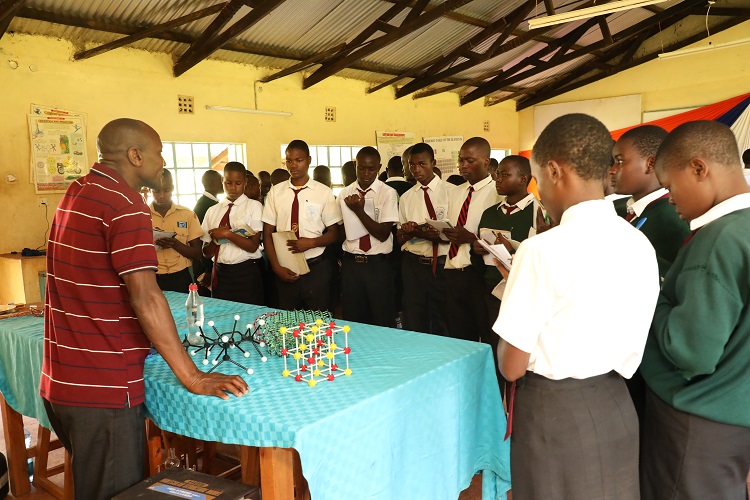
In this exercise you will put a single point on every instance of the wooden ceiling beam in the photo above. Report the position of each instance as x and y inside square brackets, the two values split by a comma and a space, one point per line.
[436, 72]
[173, 36]
[673, 14]
[722, 11]
[304, 64]
[604, 28]
[329, 69]
[8, 10]
[217, 24]
[549, 7]
[457, 85]
[196, 54]
[558, 90]
[150, 32]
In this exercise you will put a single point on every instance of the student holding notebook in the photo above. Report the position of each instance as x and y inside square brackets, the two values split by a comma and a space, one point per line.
[697, 359]
[307, 208]
[558, 338]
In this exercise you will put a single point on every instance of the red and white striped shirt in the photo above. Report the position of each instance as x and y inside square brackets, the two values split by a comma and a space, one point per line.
[94, 347]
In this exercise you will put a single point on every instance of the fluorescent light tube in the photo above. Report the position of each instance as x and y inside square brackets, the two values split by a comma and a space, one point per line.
[597, 10]
[248, 110]
[703, 48]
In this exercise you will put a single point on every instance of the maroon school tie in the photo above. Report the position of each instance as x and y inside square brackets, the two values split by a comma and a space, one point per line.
[364, 242]
[431, 212]
[295, 211]
[509, 209]
[453, 250]
[224, 222]
[630, 216]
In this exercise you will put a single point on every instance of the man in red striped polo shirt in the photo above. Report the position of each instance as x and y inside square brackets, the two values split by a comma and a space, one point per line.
[104, 309]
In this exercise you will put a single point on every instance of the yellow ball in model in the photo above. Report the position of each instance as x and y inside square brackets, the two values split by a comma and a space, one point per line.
[348, 372]
[346, 328]
[316, 373]
[318, 321]
[283, 330]
[303, 347]
[333, 346]
[312, 382]
[310, 337]
[297, 355]
[329, 355]
[285, 373]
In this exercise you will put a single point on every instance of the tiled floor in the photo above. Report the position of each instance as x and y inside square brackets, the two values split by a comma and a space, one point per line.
[473, 492]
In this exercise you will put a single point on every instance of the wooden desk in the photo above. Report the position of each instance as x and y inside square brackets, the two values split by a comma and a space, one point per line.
[19, 278]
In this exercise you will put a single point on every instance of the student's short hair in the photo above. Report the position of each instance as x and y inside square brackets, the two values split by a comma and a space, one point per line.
[251, 179]
[646, 139]
[249, 174]
[746, 157]
[422, 147]
[707, 139]
[299, 144]
[579, 140]
[480, 144]
[207, 175]
[369, 151]
[395, 167]
[166, 176]
[235, 166]
[279, 175]
[494, 163]
[455, 179]
[264, 173]
[522, 164]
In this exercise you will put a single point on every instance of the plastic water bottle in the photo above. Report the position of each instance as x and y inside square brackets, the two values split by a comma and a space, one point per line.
[194, 313]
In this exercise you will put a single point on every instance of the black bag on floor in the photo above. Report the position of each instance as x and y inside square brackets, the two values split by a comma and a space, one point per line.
[4, 487]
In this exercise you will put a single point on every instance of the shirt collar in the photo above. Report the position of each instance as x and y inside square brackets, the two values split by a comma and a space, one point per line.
[171, 210]
[587, 210]
[396, 178]
[311, 184]
[615, 196]
[479, 185]
[738, 202]
[210, 196]
[637, 207]
[432, 185]
[238, 202]
[521, 204]
[374, 187]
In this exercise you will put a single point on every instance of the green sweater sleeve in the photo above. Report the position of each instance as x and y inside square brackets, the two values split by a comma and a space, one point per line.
[693, 322]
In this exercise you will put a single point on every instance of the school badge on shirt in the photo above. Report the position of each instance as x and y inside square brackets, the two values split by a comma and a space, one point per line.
[182, 224]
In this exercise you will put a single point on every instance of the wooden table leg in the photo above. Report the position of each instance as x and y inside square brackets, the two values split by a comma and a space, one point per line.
[18, 467]
[250, 464]
[277, 473]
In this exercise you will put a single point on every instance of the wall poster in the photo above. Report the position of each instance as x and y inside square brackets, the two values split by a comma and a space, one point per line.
[58, 148]
[446, 152]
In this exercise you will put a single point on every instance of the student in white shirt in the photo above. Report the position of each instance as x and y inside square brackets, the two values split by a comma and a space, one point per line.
[370, 209]
[423, 251]
[466, 311]
[314, 218]
[574, 428]
[236, 254]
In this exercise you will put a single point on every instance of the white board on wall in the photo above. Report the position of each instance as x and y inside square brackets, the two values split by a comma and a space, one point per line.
[614, 112]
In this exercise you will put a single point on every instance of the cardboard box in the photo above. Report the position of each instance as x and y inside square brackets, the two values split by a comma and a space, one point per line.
[188, 484]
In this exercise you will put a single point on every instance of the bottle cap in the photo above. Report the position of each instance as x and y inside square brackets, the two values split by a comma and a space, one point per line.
[193, 287]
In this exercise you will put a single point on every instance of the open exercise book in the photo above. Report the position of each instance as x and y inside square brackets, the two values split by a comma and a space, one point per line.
[497, 251]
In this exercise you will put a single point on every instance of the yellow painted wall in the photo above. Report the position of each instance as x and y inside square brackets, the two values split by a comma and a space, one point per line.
[139, 84]
[695, 80]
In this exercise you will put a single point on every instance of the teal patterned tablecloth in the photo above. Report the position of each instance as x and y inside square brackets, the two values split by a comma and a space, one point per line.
[21, 352]
[418, 417]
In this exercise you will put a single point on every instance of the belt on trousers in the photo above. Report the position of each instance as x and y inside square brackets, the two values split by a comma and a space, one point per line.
[427, 261]
[314, 260]
[248, 261]
[364, 259]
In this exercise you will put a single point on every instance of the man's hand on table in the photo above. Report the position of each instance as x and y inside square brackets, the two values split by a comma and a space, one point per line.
[218, 384]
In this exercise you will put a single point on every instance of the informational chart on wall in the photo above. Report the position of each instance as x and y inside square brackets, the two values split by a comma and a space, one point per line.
[446, 152]
[58, 148]
[391, 144]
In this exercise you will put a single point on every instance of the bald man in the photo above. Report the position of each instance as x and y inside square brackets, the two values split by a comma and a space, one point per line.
[104, 310]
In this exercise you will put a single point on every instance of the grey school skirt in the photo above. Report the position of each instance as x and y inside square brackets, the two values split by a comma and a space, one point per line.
[574, 439]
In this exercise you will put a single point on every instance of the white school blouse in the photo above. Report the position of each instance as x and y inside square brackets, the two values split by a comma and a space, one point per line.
[581, 296]
[412, 208]
[245, 212]
[385, 201]
[317, 210]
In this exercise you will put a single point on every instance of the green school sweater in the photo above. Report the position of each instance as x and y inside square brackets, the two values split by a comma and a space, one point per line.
[518, 224]
[697, 357]
[664, 229]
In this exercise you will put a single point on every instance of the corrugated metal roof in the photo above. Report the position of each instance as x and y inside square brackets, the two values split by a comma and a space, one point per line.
[298, 29]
